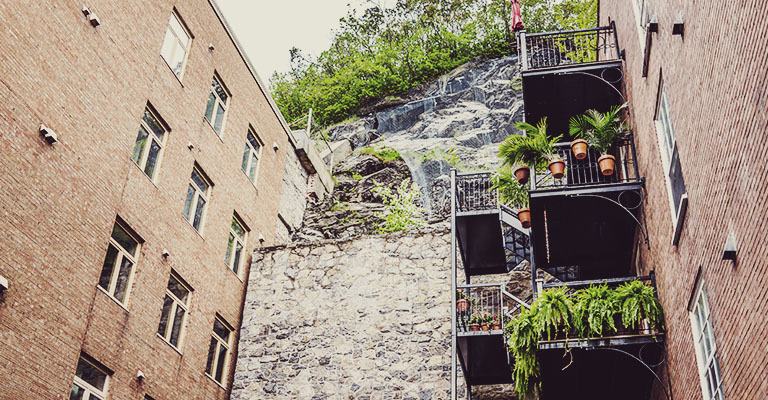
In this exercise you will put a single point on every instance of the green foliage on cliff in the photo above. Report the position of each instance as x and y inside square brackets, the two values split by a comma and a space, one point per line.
[380, 52]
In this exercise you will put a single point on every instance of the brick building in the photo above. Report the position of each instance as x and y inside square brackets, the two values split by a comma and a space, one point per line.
[698, 110]
[142, 162]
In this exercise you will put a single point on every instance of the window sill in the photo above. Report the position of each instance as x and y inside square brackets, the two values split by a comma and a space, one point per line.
[216, 382]
[145, 174]
[237, 274]
[678, 227]
[249, 180]
[192, 227]
[169, 344]
[173, 72]
[218, 135]
[113, 299]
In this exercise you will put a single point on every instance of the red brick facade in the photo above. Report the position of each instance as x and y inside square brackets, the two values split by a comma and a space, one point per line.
[58, 202]
[715, 78]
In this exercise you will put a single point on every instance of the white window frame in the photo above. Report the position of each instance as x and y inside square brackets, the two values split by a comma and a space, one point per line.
[198, 193]
[175, 14]
[151, 137]
[121, 253]
[172, 312]
[218, 102]
[220, 342]
[242, 241]
[247, 156]
[90, 391]
[703, 331]
[641, 18]
[665, 132]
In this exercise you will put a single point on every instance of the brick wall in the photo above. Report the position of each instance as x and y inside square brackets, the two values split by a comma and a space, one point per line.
[58, 203]
[715, 78]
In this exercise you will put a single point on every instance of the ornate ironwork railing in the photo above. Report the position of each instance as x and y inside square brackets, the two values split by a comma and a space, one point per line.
[552, 49]
[473, 194]
[587, 172]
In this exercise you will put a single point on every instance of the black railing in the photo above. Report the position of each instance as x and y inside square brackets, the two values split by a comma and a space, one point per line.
[489, 301]
[587, 172]
[473, 194]
[552, 49]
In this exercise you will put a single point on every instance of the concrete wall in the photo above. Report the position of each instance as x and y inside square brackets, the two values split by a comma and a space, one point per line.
[715, 78]
[293, 200]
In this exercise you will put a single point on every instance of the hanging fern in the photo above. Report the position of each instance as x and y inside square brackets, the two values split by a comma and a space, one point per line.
[555, 312]
[595, 308]
[637, 301]
[523, 343]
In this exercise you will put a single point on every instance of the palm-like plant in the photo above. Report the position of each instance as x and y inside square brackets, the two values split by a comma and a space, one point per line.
[637, 301]
[600, 130]
[554, 312]
[509, 190]
[534, 149]
[595, 309]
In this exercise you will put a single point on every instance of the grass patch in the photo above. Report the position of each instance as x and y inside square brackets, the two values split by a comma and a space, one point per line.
[382, 152]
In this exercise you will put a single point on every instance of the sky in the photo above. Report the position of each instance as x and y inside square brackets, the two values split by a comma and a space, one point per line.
[267, 29]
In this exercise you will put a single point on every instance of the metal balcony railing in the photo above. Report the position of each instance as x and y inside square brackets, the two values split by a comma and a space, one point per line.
[485, 300]
[472, 192]
[553, 49]
[586, 172]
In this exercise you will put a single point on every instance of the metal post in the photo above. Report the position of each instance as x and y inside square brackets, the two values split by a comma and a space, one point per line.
[616, 40]
[523, 46]
[634, 155]
[453, 284]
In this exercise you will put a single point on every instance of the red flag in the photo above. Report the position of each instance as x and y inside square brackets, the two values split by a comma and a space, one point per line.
[517, 16]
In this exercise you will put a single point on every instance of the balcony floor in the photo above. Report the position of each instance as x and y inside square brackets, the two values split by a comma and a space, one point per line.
[481, 242]
[483, 357]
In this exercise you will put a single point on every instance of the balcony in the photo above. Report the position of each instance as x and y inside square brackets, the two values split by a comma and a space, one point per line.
[481, 348]
[568, 72]
[623, 364]
[490, 238]
[586, 220]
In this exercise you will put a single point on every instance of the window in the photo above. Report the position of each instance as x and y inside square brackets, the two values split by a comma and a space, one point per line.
[117, 271]
[251, 156]
[706, 351]
[176, 45]
[671, 161]
[175, 309]
[148, 149]
[235, 245]
[90, 382]
[198, 194]
[218, 100]
[218, 352]
[641, 17]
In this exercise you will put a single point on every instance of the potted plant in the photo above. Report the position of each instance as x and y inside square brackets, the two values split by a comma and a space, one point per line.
[601, 131]
[496, 325]
[554, 312]
[512, 193]
[579, 148]
[535, 149]
[638, 305]
[485, 323]
[595, 308]
[474, 323]
[462, 304]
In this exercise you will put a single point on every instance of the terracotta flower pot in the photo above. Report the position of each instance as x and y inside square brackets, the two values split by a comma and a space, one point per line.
[579, 148]
[485, 327]
[524, 215]
[522, 173]
[557, 168]
[474, 327]
[462, 305]
[606, 163]
[496, 326]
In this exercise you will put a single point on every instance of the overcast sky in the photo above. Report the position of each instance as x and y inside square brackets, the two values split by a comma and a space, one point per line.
[268, 29]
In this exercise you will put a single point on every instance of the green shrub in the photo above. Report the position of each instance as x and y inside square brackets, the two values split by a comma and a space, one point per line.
[382, 152]
[401, 211]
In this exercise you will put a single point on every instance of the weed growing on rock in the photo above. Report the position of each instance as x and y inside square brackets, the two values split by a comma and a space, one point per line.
[382, 152]
[401, 212]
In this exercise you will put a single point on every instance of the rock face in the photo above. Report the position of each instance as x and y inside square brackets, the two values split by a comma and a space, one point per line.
[454, 122]
[368, 318]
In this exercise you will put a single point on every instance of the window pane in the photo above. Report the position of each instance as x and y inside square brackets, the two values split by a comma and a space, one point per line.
[211, 353]
[125, 240]
[254, 143]
[219, 90]
[153, 124]
[221, 362]
[109, 265]
[178, 289]
[169, 47]
[235, 226]
[122, 279]
[154, 152]
[164, 316]
[220, 330]
[90, 374]
[219, 118]
[707, 345]
[199, 181]
[176, 331]
[199, 213]
[254, 164]
[209, 107]
[246, 156]
[188, 202]
[228, 256]
[77, 393]
[175, 25]
[138, 149]
[238, 254]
